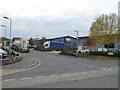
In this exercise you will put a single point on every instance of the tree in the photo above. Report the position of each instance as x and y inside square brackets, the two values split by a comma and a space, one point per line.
[104, 29]
[89, 42]
[119, 28]
[31, 41]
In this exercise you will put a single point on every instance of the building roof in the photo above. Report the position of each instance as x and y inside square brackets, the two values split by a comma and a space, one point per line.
[83, 37]
[62, 37]
[68, 37]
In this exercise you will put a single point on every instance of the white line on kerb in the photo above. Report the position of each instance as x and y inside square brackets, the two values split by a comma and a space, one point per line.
[33, 66]
[26, 78]
[89, 66]
[9, 80]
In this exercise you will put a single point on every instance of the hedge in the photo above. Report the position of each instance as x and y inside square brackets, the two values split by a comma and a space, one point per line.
[68, 52]
[115, 54]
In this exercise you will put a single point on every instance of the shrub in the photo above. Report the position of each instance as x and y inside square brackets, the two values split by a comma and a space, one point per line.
[116, 54]
[98, 53]
[68, 52]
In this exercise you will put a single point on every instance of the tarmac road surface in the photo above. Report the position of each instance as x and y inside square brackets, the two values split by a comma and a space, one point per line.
[56, 70]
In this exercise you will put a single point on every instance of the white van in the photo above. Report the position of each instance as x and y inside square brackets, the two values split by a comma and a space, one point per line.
[83, 49]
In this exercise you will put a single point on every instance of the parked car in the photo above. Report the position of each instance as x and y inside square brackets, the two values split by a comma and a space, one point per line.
[3, 54]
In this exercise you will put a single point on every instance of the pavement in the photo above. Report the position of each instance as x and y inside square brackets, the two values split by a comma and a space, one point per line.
[19, 66]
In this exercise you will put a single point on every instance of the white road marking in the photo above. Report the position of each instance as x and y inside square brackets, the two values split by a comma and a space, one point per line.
[53, 75]
[39, 76]
[76, 73]
[83, 72]
[26, 78]
[65, 74]
[104, 68]
[32, 67]
[9, 80]
[113, 67]
[109, 69]
[93, 71]
[73, 80]
[89, 66]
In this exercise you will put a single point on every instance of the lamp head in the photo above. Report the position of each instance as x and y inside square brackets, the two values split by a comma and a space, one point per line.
[5, 17]
[3, 25]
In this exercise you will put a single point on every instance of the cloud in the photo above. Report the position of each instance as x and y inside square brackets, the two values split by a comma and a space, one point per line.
[51, 18]
[50, 26]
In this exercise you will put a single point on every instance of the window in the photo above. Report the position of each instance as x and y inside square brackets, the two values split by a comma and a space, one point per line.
[46, 44]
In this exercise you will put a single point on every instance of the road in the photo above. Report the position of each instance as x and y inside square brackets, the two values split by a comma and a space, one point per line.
[56, 70]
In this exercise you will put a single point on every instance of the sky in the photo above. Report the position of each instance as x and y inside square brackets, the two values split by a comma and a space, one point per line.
[52, 18]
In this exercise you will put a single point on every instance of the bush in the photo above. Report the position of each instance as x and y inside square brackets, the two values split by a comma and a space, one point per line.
[68, 52]
[98, 53]
[72, 49]
[116, 54]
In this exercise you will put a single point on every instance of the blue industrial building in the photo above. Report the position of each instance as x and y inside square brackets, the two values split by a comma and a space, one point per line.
[115, 47]
[72, 42]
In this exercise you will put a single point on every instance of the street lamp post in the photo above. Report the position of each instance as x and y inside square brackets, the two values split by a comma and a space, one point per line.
[77, 33]
[77, 42]
[10, 31]
[5, 32]
[5, 29]
[77, 37]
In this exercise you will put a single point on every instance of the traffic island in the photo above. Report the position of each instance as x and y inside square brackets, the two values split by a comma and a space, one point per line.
[6, 70]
